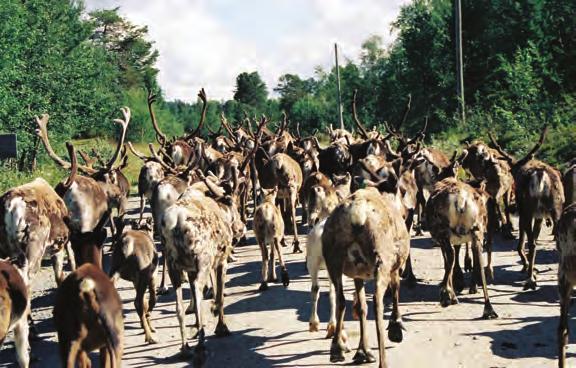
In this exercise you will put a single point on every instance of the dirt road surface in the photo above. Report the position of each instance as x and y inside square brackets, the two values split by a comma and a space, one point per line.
[270, 329]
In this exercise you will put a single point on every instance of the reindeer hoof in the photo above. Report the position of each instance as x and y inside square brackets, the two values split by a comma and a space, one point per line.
[163, 290]
[285, 278]
[530, 284]
[489, 313]
[336, 353]
[222, 330]
[231, 259]
[395, 331]
[473, 288]
[150, 340]
[296, 249]
[199, 356]
[363, 356]
[185, 352]
[313, 326]
[447, 299]
[263, 286]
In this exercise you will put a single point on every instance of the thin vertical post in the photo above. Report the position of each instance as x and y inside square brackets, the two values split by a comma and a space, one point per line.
[459, 63]
[341, 119]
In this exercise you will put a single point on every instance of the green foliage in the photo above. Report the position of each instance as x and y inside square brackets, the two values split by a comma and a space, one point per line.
[250, 90]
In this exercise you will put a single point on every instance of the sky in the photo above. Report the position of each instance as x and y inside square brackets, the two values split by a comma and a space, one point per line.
[207, 43]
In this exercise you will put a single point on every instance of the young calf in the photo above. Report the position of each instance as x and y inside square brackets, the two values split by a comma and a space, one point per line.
[88, 316]
[269, 230]
[14, 309]
[134, 258]
[566, 239]
[457, 214]
[88, 309]
[365, 238]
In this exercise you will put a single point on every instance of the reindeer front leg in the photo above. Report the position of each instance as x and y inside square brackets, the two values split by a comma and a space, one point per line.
[293, 200]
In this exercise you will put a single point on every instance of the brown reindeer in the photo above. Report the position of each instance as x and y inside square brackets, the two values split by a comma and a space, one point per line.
[566, 241]
[539, 196]
[269, 230]
[15, 307]
[457, 214]
[198, 240]
[365, 238]
[288, 177]
[134, 258]
[486, 163]
[34, 222]
[88, 316]
[90, 196]
[569, 184]
[88, 309]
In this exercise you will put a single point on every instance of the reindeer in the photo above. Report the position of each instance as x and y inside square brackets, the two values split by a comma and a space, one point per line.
[34, 222]
[486, 163]
[366, 238]
[88, 316]
[179, 151]
[539, 196]
[89, 196]
[569, 184]
[150, 175]
[134, 258]
[269, 230]
[197, 240]
[288, 177]
[457, 214]
[566, 243]
[88, 309]
[15, 306]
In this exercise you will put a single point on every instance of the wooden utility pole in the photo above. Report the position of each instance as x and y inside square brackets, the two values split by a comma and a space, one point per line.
[341, 119]
[459, 63]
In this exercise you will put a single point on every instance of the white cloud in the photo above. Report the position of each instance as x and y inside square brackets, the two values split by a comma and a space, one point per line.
[205, 43]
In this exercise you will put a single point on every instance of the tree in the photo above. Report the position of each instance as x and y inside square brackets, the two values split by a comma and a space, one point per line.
[250, 90]
[128, 47]
[47, 65]
[291, 89]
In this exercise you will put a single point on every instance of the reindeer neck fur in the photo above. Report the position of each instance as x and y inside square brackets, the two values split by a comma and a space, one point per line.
[86, 200]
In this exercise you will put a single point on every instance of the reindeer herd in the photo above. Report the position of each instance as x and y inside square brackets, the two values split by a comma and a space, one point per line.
[359, 195]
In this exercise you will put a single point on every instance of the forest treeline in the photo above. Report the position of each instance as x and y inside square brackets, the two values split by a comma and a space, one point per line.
[519, 74]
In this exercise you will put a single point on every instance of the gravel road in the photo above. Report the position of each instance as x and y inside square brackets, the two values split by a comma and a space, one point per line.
[270, 329]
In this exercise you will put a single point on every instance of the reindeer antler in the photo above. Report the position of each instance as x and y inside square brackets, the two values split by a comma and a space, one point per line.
[42, 133]
[356, 120]
[159, 160]
[537, 147]
[160, 137]
[87, 159]
[508, 158]
[202, 95]
[138, 154]
[124, 124]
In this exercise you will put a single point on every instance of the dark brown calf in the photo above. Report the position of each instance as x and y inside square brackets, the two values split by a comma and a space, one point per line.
[134, 258]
